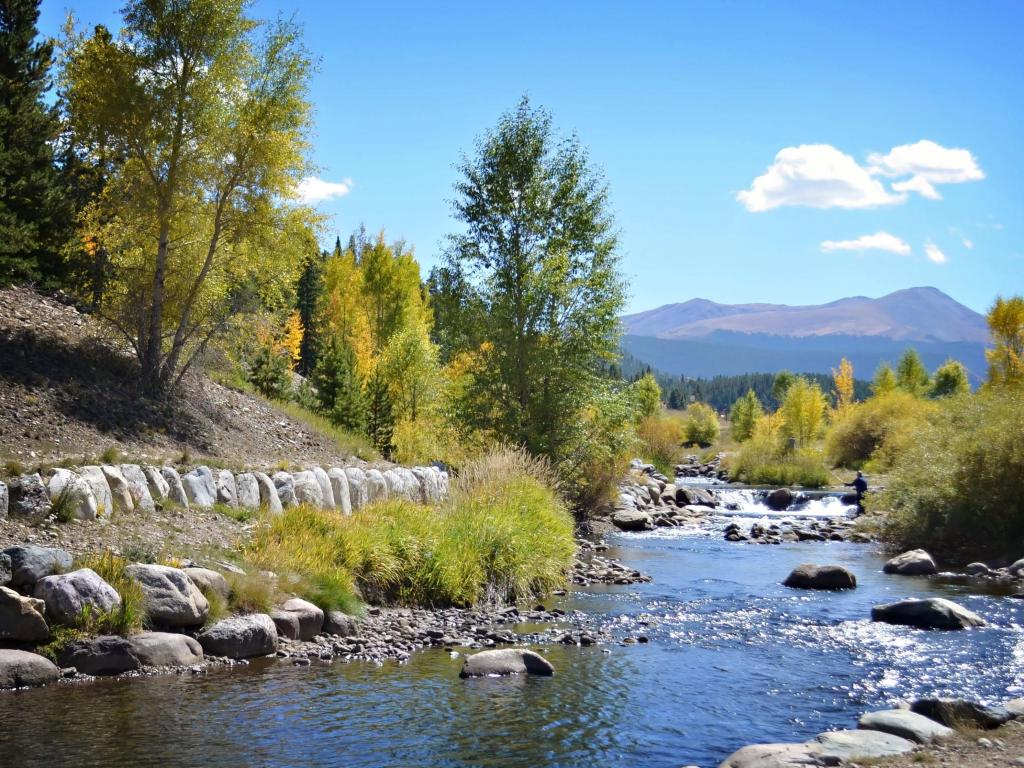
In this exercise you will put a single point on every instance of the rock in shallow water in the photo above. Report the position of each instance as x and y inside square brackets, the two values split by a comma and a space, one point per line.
[774, 756]
[930, 613]
[240, 637]
[632, 520]
[905, 724]
[166, 649]
[958, 713]
[104, 655]
[506, 661]
[851, 746]
[21, 669]
[810, 576]
[916, 562]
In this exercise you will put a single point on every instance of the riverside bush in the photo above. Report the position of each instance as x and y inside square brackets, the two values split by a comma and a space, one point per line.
[876, 430]
[958, 486]
[765, 461]
[503, 534]
[126, 618]
[701, 425]
[661, 440]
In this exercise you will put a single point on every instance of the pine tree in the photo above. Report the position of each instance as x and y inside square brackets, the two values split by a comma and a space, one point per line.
[380, 422]
[30, 198]
[911, 375]
[338, 388]
[307, 301]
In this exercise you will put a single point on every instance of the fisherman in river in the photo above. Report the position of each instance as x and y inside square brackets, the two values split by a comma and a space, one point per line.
[860, 486]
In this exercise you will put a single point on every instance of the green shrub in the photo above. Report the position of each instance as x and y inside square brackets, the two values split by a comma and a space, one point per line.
[241, 514]
[860, 432]
[958, 486]
[764, 461]
[701, 425]
[251, 592]
[661, 440]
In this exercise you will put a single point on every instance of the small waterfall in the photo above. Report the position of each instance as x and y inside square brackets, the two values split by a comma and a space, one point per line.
[750, 502]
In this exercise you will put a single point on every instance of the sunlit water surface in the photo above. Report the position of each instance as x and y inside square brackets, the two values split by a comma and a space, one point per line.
[732, 658]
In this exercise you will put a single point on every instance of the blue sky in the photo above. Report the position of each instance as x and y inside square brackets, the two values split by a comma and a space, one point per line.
[755, 151]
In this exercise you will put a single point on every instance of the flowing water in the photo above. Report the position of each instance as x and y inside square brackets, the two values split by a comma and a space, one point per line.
[732, 658]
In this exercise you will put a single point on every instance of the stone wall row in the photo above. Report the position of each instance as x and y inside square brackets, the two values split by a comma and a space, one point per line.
[89, 492]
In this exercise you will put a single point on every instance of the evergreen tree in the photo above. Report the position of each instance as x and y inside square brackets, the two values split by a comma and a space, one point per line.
[884, 381]
[745, 414]
[338, 388]
[307, 300]
[950, 379]
[31, 202]
[380, 421]
[911, 375]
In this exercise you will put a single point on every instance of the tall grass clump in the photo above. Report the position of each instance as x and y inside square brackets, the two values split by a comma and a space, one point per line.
[129, 616]
[502, 535]
[958, 487]
[876, 430]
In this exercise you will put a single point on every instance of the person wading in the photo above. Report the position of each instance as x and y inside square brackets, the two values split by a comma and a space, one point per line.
[860, 486]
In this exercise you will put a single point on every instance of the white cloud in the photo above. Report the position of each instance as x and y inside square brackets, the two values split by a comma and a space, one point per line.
[817, 176]
[931, 250]
[917, 184]
[880, 241]
[314, 190]
[968, 243]
[927, 164]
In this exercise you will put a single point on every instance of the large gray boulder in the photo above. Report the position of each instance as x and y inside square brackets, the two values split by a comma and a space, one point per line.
[690, 495]
[97, 481]
[376, 486]
[240, 637]
[307, 489]
[209, 582]
[103, 655]
[28, 496]
[506, 661]
[159, 488]
[268, 493]
[326, 488]
[851, 746]
[227, 493]
[298, 619]
[5, 497]
[22, 618]
[119, 491]
[779, 499]
[138, 487]
[200, 487]
[356, 486]
[21, 669]
[339, 487]
[73, 494]
[811, 576]
[959, 713]
[285, 485]
[67, 595]
[916, 562]
[929, 613]
[402, 483]
[30, 563]
[166, 649]
[170, 598]
[339, 623]
[632, 520]
[175, 488]
[905, 724]
[774, 756]
[248, 490]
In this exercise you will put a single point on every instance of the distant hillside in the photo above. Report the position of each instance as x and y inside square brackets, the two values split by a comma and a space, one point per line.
[702, 338]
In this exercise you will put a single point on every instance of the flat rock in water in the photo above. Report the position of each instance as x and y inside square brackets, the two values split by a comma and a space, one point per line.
[632, 520]
[916, 562]
[850, 746]
[240, 637]
[906, 724]
[774, 756]
[506, 661]
[959, 713]
[811, 576]
[21, 669]
[166, 649]
[929, 613]
[104, 655]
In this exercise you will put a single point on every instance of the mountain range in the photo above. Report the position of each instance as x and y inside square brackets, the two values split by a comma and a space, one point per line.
[703, 338]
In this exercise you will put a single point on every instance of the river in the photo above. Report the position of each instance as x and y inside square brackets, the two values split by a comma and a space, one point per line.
[732, 658]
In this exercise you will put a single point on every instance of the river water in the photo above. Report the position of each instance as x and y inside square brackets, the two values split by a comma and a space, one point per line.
[732, 658]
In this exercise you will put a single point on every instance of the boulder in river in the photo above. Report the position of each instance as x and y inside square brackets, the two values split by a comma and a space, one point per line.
[977, 569]
[959, 713]
[810, 576]
[929, 613]
[166, 649]
[906, 724]
[686, 494]
[73, 493]
[852, 746]
[240, 637]
[779, 499]
[506, 661]
[21, 669]
[103, 655]
[170, 597]
[68, 594]
[632, 520]
[774, 756]
[30, 563]
[916, 562]
[22, 618]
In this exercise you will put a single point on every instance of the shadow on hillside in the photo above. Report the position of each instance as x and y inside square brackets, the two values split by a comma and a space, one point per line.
[93, 384]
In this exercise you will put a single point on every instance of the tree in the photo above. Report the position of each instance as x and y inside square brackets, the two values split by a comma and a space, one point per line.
[1006, 358]
[803, 411]
[291, 339]
[745, 414]
[911, 375]
[701, 425]
[884, 381]
[781, 384]
[380, 417]
[31, 202]
[308, 292]
[539, 250]
[842, 384]
[338, 388]
[409, 365]
[646, 395]
[209, 110]
[950, 379]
